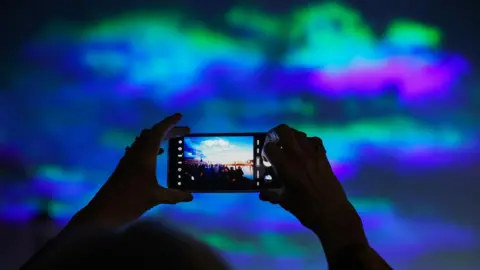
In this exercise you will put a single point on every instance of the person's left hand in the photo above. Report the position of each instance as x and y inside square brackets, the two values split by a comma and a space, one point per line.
[133, 188]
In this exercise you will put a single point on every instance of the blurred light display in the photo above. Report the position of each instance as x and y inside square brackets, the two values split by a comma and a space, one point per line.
[388, 98]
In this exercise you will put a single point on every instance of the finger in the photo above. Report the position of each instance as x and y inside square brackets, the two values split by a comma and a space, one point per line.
[172, 196]
[176, 196]
[305, 144]
[177, 132]
[139, 143]
[159, 130]
[162, 127]
[286, 138]
[173, 133]
[281, 164]
[275, 156]
[318, 145]
[270, 196]
[299, 133]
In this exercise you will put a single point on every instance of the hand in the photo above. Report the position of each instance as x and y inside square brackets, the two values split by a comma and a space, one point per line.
[133, 188]
[311, 191]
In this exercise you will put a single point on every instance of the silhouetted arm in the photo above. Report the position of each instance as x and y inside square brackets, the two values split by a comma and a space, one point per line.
[130, 191]
[346, 245]
[361, 257]
[82, 224]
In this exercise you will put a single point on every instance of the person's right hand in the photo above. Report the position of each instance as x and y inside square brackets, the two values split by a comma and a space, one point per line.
[312, 193]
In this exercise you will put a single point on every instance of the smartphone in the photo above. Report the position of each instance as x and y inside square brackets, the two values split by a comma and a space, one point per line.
[219, 162]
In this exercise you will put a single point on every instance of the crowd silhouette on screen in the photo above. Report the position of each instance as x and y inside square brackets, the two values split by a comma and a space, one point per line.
[217, 175]
[109, 234]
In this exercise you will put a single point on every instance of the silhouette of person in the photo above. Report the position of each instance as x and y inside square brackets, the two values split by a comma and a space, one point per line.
[101, 234]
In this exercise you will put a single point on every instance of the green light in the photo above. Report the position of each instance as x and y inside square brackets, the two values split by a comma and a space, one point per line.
[409, 34]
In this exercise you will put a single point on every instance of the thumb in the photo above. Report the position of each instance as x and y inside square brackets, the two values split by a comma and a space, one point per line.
[271, 196]
[274, 154]
[172, 196]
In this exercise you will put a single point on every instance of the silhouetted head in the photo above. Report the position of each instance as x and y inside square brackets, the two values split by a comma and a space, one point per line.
[143, 245]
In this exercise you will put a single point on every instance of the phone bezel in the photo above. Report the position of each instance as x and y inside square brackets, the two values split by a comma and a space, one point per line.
[171, 180]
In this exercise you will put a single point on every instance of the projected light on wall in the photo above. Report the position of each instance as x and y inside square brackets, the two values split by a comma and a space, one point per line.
[321, 69]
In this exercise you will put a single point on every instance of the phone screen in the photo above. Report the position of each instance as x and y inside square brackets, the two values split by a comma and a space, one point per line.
[227, 162]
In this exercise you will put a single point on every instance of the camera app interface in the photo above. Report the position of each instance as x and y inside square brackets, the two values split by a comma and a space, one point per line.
[221, 163]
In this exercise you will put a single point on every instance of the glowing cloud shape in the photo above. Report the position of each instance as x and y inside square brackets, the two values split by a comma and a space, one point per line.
[163, 52]
[223, 150]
